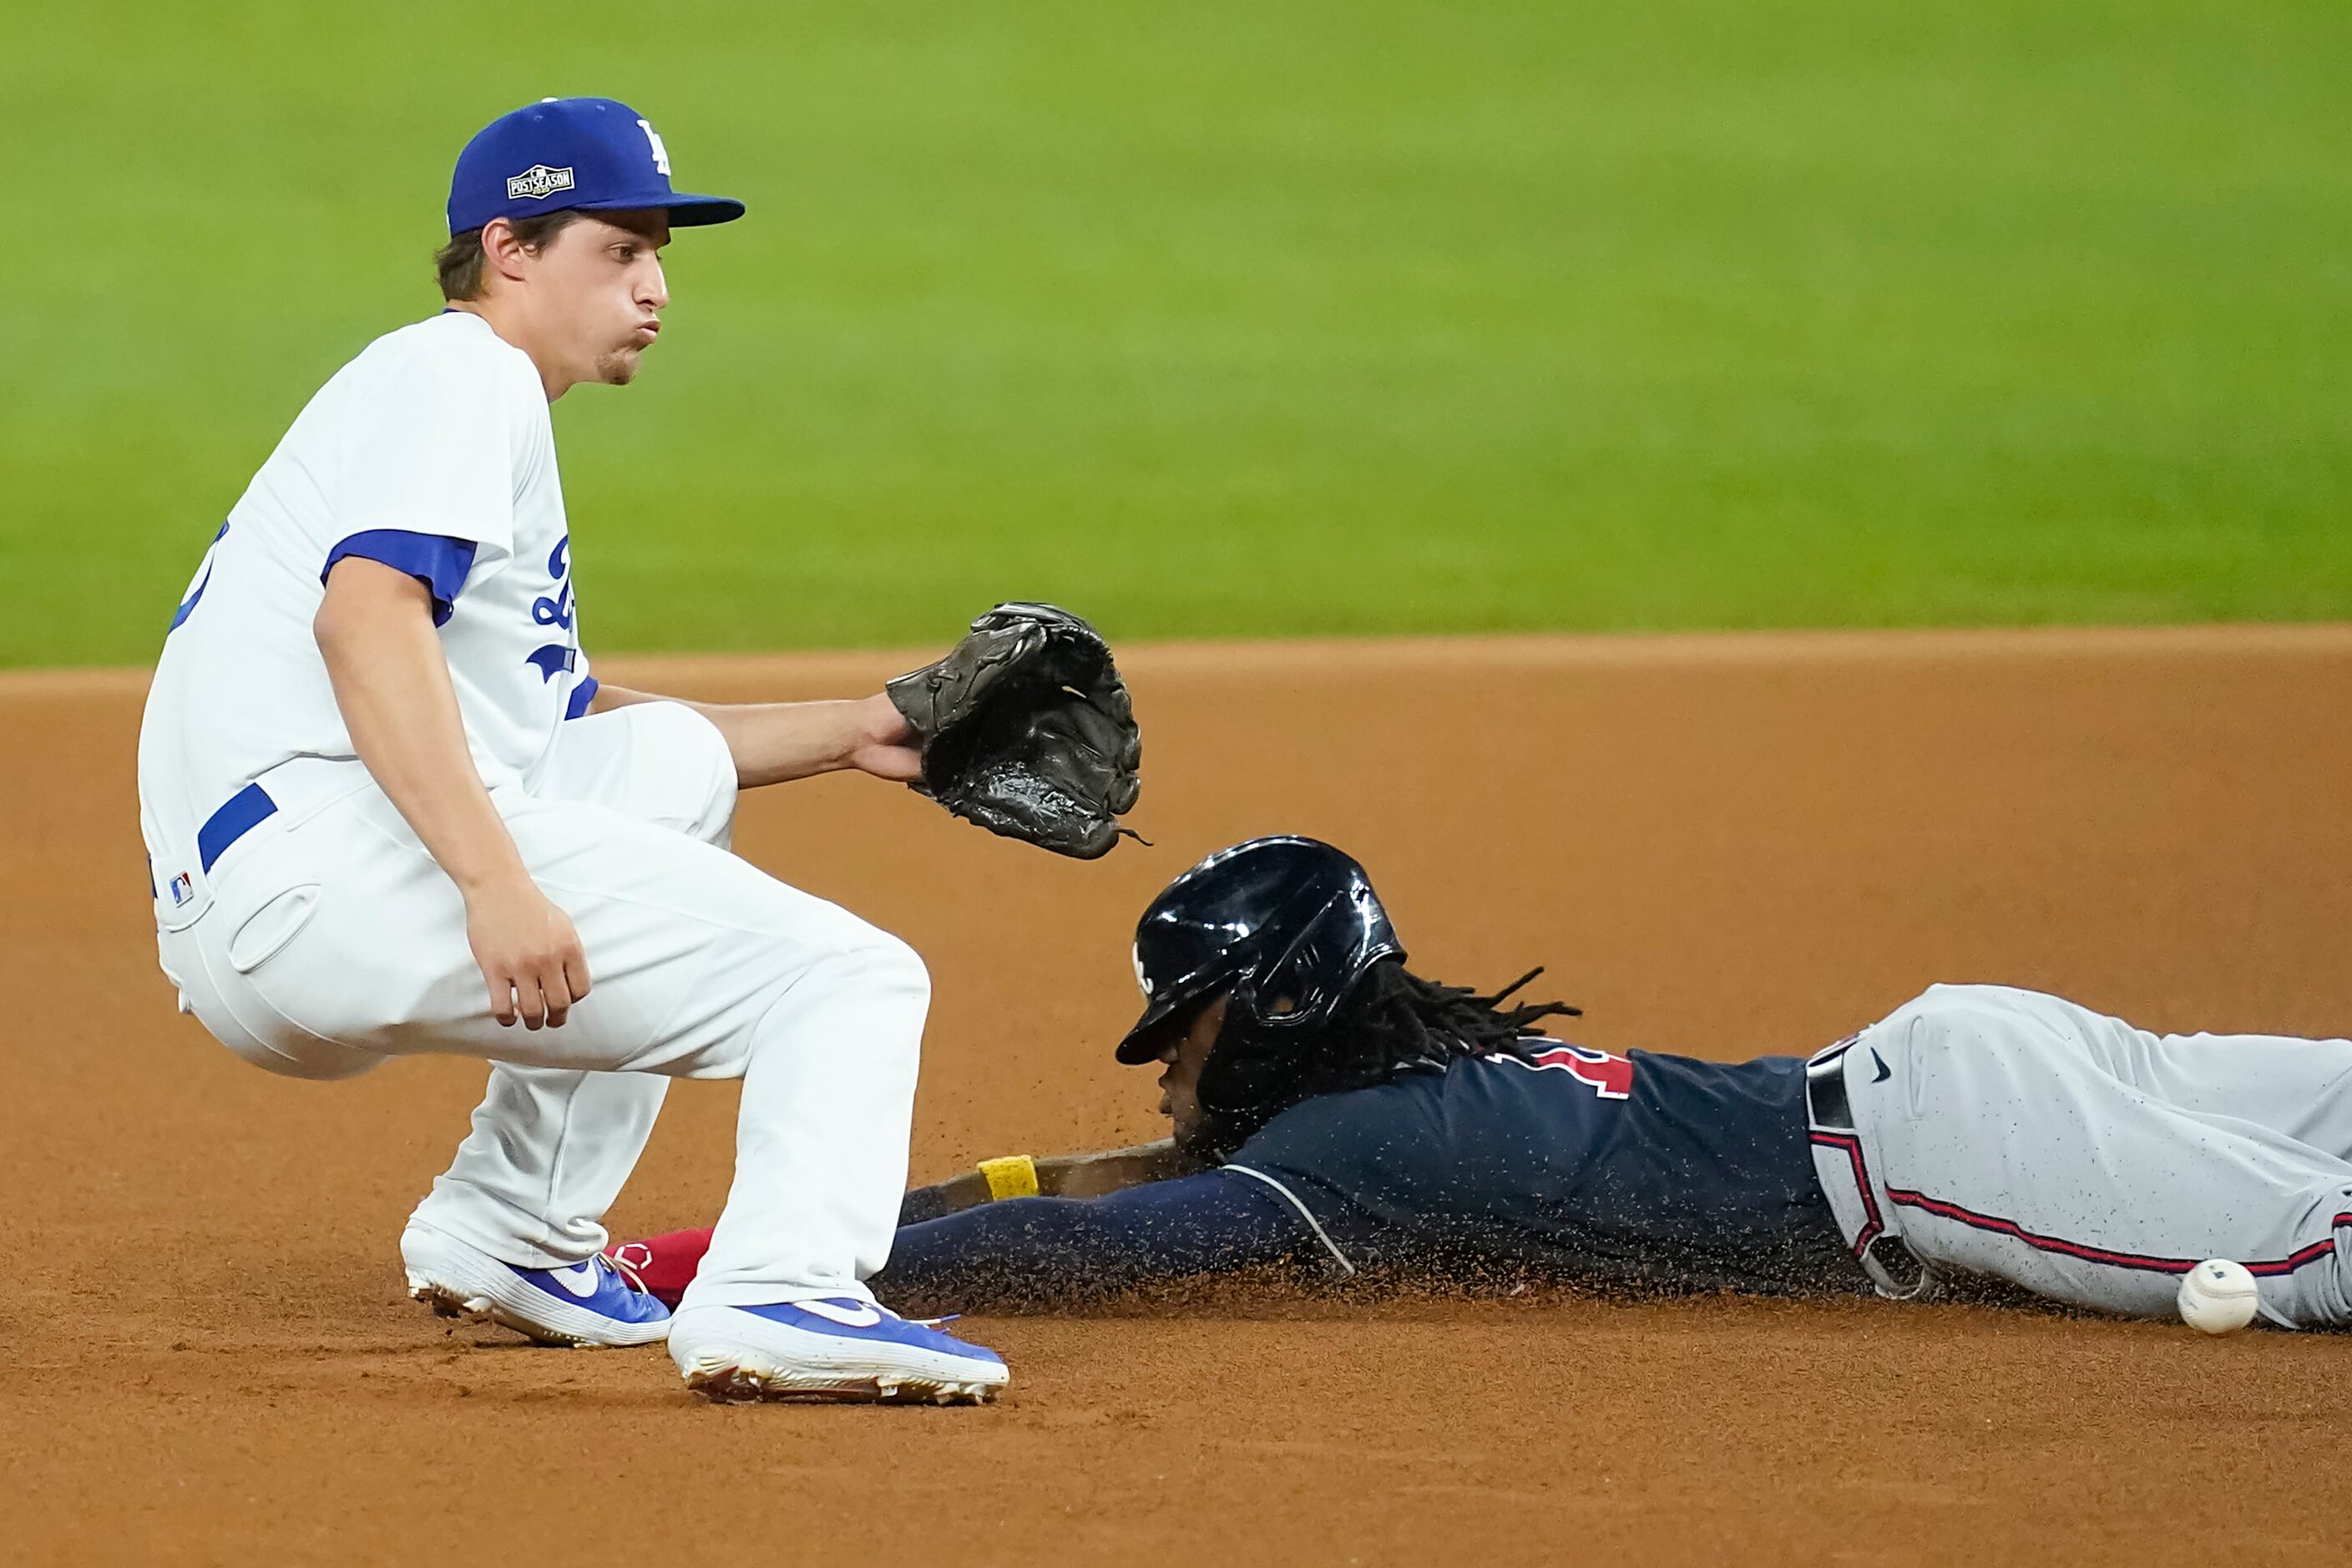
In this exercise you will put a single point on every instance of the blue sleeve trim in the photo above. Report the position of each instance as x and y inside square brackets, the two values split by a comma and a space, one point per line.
[196, 595]
[582, 695]
[435, 560]
[1028, 1253]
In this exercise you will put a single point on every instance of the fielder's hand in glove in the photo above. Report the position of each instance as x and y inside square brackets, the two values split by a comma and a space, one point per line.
[1026, 728]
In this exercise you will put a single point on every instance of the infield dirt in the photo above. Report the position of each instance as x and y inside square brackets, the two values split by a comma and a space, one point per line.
[1720, 846]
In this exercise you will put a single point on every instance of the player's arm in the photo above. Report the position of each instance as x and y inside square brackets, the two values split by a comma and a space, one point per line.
[1028, 1253]
[666, 1264]
[1054, 1176]
[774, 742]
[1031, 1253]
[375, 628]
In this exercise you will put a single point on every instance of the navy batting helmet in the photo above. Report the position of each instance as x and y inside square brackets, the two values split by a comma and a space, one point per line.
[1280, 919]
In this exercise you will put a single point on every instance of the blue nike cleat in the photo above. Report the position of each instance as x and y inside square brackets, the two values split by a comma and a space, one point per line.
[838, 1348]
[587, 1306]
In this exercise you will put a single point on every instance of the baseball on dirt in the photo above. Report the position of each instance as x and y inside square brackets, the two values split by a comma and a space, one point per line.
[2218, 1296]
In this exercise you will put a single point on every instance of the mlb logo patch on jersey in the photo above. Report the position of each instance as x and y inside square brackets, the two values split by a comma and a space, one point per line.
[538, 183]
[183, 889]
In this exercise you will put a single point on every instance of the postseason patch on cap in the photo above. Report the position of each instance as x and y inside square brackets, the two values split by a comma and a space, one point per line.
[538, 183]
[593, 154]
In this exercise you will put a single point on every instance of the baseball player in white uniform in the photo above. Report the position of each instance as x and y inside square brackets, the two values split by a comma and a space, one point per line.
[387, 810]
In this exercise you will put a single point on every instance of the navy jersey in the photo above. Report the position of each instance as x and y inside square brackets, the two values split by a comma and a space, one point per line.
[1649, 1170]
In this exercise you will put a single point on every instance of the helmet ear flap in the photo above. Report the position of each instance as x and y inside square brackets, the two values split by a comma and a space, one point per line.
[1315, 973]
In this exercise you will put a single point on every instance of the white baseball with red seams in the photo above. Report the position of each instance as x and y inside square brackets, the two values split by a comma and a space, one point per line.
[2219, 1297]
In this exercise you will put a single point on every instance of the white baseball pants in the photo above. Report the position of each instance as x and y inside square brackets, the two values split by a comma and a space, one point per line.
[327, 939]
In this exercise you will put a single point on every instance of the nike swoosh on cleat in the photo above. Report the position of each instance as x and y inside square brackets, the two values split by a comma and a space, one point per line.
[1885, 1072]
[849, 1316]
[580, 1278]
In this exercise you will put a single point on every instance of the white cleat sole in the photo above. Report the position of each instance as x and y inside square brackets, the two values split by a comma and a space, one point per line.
[723, 1382]
[448, 1301]
[456, 1281]
[735, 1357]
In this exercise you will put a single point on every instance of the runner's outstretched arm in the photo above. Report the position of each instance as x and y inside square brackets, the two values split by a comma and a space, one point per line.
[1024, 1253]
[1056, 1176]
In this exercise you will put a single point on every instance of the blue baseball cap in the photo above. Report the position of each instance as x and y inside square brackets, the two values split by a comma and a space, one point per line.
[594, 154]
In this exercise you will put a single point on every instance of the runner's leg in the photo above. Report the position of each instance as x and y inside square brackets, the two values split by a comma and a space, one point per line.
[2019, 1135]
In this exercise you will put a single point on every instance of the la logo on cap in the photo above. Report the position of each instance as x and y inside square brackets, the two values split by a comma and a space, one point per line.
[538, 183]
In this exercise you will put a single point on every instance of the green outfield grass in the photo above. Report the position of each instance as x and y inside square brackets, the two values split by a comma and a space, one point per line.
[1222, 319]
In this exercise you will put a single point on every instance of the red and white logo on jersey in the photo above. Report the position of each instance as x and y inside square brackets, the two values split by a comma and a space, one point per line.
[1612, 1077]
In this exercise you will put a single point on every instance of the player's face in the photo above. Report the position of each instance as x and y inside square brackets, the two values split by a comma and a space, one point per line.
[1181, 1061]
[602, 293]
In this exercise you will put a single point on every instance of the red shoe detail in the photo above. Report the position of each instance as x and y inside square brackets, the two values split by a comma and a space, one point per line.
[664, 1265]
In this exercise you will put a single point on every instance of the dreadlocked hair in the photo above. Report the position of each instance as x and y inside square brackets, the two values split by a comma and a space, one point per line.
[1391, 1021]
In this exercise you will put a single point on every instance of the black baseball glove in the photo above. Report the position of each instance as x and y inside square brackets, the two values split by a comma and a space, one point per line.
[1026, 728]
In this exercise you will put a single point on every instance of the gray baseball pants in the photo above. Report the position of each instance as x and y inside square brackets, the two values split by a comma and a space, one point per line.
[1981, 1130]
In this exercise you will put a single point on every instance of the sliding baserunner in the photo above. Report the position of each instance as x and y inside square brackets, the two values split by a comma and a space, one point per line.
[1332, 1110]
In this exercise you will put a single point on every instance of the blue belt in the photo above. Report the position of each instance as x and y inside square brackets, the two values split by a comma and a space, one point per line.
[238, 816]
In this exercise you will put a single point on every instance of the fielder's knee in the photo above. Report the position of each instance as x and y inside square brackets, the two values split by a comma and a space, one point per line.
[886, 964]
[870, 964]
[868, 986]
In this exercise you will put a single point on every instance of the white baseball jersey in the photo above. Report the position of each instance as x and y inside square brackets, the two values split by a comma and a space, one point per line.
[309, 930]
[432, 451]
